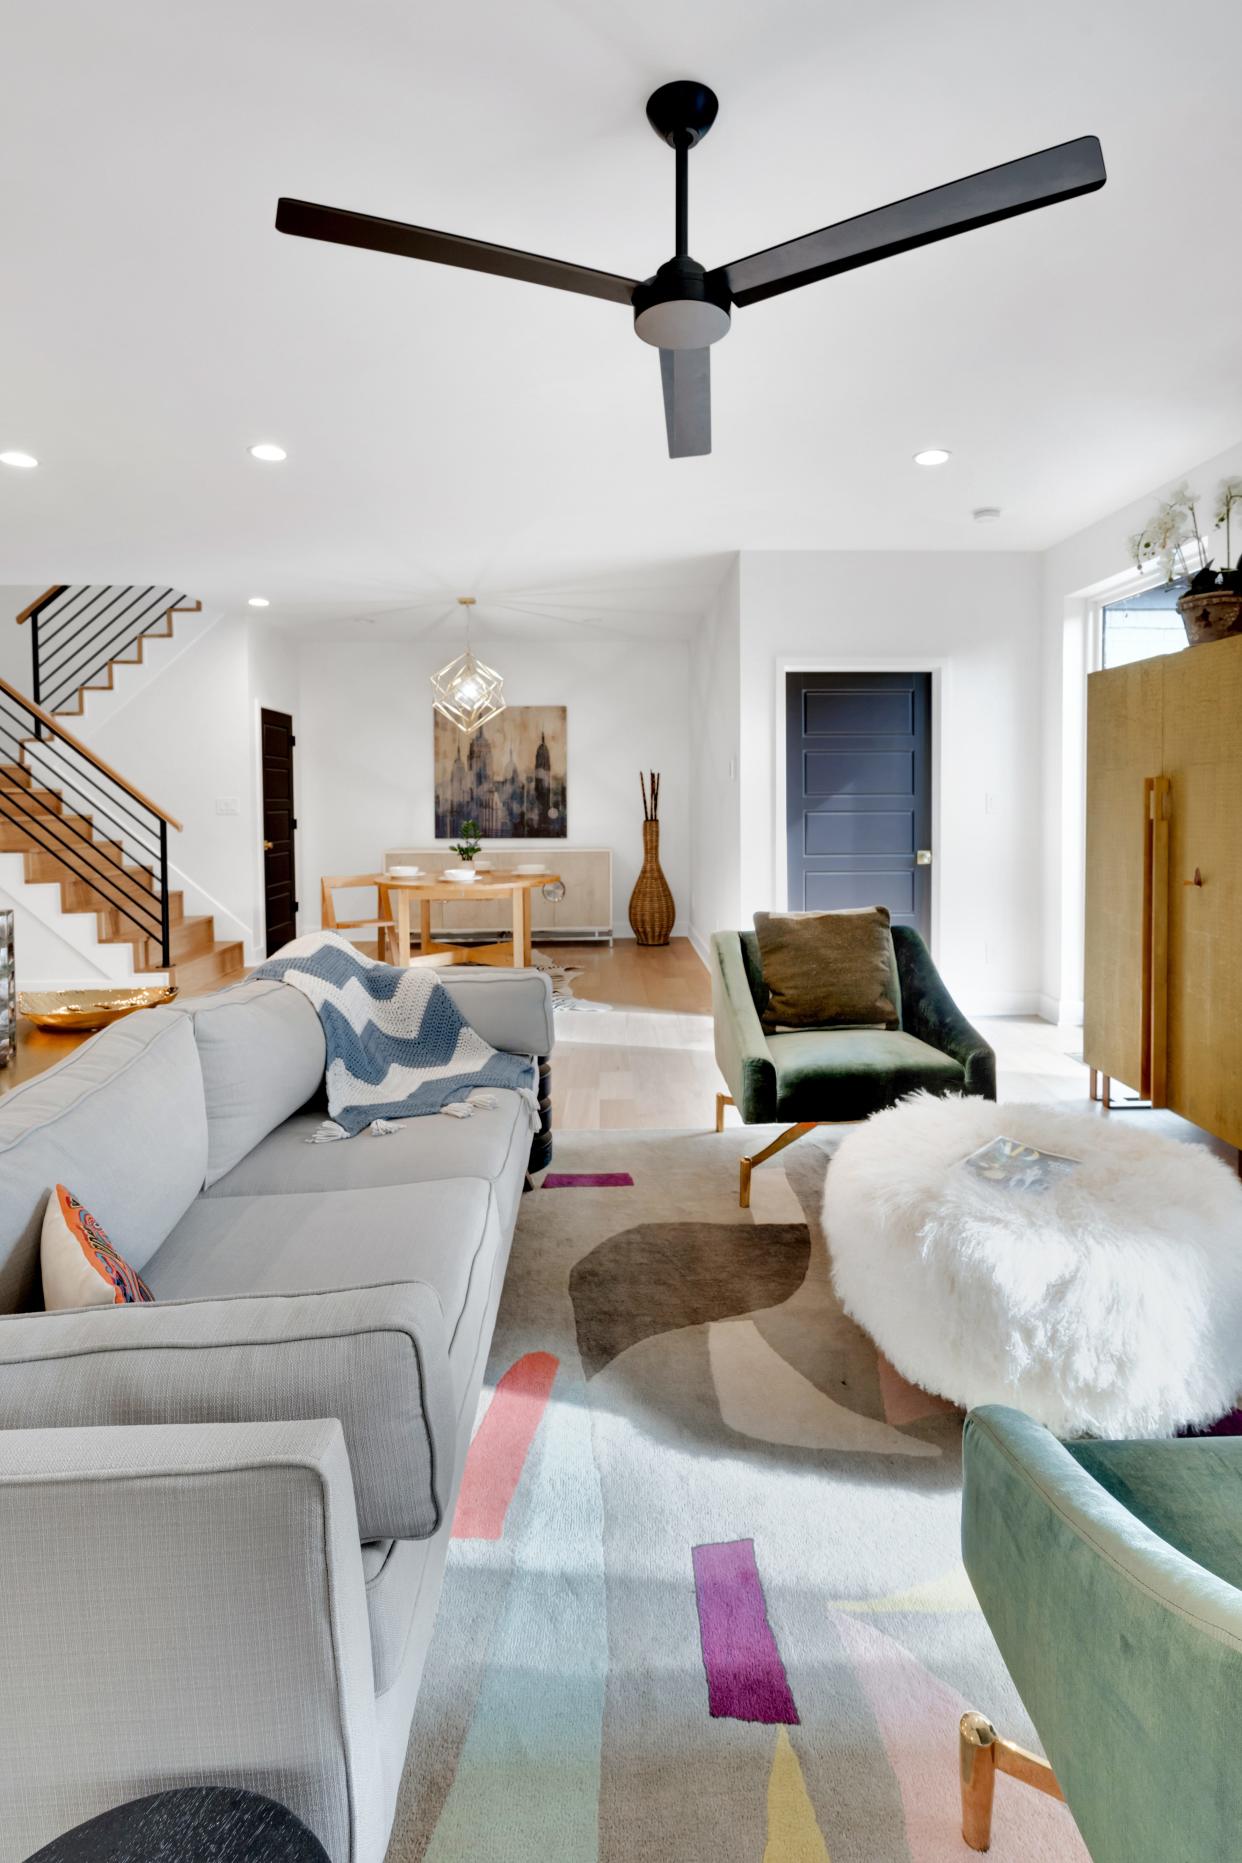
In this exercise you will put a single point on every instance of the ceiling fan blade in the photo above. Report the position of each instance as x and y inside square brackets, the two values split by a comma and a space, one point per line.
[686, 378]
[341, 227]
[1057, 174]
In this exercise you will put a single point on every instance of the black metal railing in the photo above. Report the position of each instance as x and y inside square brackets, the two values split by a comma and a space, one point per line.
[102, 831]
[76, 631]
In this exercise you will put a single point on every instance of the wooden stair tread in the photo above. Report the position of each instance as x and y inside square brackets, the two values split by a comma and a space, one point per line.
[225, 962]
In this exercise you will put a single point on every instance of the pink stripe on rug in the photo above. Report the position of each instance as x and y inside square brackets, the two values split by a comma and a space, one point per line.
[905, 1402]
[501, 1445]
[746, 1678]
[588, 1180]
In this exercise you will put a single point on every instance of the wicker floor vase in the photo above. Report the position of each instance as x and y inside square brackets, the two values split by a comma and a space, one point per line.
[651, 903]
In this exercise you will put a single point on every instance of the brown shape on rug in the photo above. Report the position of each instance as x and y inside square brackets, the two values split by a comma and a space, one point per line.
[660, 1277]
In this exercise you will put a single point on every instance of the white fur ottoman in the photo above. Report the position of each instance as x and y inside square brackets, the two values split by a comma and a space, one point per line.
[1108, 1303]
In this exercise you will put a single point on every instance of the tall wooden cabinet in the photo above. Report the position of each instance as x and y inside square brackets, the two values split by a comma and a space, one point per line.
[1163, 982]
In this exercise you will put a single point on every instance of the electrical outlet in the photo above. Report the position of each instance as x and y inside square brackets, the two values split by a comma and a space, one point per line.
[228, 805]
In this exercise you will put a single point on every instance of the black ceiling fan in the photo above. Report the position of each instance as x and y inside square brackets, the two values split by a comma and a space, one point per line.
[684, 309]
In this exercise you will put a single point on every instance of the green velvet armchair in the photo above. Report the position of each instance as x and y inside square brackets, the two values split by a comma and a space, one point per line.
[1111, 1576]
[838, 1075]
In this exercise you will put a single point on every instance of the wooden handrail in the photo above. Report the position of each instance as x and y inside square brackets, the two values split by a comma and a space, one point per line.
[58, 730]
[57, 588]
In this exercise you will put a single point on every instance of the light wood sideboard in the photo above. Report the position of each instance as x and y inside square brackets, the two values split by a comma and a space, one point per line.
[584, 912]
[1163, 982]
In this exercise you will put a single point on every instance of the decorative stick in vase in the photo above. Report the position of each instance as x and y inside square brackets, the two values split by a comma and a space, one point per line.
[652, 911]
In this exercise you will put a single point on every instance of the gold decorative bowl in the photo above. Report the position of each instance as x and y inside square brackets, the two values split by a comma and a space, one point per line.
[83, 1010]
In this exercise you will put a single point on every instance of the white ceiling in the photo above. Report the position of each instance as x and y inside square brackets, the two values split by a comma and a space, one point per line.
[448, 431]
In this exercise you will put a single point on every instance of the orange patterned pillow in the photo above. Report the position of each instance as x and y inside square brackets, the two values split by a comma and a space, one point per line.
[80, 1266]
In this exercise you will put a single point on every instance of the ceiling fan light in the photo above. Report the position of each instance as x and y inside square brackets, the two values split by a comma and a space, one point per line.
[682, 323]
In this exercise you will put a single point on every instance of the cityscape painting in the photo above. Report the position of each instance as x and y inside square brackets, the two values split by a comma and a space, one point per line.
[509, 777]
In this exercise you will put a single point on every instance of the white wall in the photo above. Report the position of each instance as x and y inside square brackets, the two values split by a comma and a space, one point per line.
[365, 749]
[715, 724]
[184, 739]
[974, 619]
[1072, 575]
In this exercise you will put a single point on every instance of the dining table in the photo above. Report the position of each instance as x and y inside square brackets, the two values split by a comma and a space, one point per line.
[427, 889]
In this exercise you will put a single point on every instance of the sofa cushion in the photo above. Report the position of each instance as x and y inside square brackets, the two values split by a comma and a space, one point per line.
[123, 1121]
[443, 1235]
[493, 1144]
[261, 1049]
[844, 1074]
[373, 1357]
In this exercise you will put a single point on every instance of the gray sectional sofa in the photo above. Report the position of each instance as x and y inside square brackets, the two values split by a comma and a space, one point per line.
[224, 1516]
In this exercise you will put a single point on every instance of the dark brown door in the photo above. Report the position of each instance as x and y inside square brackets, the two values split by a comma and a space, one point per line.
[279, 823]
[858, 793]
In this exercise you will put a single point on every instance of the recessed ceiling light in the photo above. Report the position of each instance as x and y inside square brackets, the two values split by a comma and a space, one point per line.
[986, 514]
[259, 601]
[932, 456]
[268, 450]
[25, 460]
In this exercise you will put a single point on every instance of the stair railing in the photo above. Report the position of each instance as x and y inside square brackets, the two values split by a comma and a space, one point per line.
[104, 832]
[77, 630]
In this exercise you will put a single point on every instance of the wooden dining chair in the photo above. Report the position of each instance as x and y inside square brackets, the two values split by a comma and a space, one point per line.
[383, 923]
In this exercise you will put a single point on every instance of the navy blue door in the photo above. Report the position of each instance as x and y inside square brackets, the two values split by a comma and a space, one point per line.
[858, 793]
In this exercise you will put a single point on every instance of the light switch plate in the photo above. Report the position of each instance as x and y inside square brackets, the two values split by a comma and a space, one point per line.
[228, 805]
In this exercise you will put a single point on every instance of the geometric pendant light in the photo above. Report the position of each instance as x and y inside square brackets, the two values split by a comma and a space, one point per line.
[468, 693]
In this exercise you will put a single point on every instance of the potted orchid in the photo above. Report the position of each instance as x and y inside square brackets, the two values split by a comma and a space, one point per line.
[1211, 607]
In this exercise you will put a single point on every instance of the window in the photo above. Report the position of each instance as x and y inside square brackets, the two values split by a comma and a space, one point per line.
[1141, 626]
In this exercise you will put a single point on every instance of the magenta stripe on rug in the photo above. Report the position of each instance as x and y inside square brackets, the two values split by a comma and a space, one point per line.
[746, 1678]
[588, 1180]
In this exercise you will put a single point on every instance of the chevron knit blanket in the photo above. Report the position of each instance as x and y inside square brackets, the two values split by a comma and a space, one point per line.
[397, 1045]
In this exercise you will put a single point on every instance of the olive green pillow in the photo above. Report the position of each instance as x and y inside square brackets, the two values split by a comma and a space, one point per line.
[829, 969]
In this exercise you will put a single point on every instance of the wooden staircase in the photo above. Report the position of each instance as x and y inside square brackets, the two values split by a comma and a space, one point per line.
[81, 826]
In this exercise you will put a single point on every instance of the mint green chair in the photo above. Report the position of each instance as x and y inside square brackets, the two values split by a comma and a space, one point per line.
[833, 1076]
[1111, 1576]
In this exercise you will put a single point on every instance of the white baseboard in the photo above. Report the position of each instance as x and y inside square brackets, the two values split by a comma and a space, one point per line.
[698, 941]
[1063, 1012]
[1004, 1003]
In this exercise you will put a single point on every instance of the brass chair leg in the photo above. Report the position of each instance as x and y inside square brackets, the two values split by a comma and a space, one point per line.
[723, 1100]
[983, 1754]
[787, 1137]
[976, 1740]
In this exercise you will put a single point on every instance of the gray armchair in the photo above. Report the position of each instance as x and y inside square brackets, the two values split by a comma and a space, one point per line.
[832, 1076]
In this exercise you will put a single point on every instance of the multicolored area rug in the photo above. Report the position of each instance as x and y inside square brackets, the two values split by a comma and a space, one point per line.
[705, 1599]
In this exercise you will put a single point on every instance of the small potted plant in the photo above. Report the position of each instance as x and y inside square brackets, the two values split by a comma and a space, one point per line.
[1211, 607]
[469, 845]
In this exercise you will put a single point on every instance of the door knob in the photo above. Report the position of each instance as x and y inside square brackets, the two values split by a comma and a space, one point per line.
[268, 846]
[923, 857]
